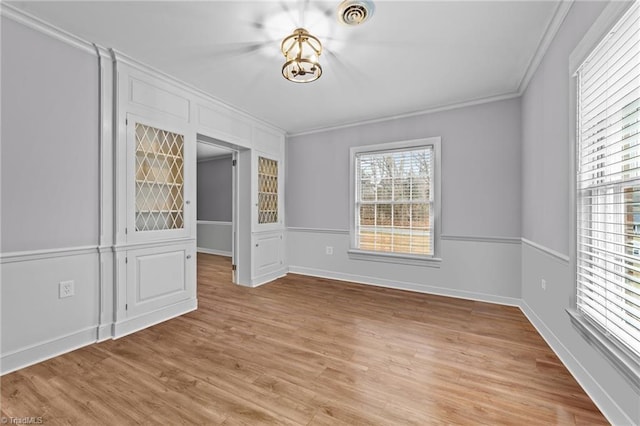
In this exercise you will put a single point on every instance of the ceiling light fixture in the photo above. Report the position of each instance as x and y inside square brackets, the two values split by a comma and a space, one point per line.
[301, 51]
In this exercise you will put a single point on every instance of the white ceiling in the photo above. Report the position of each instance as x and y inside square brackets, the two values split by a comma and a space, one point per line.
[411, 56]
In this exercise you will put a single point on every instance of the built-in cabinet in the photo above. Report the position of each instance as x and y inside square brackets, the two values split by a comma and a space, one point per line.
[157, 123]
[268, 238]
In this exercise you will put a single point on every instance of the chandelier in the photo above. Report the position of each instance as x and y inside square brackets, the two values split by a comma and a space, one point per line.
[301, 51]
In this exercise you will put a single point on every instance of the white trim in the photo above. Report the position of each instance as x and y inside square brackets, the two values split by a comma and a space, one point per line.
[562, 9]
[616, 353]
[469, 238]
[25, 256]
[400, 258]
[214, 252]
[164, 243]
[30, 21]
[441, 108]
[266, 279]
[319, 230]
[436, 175]
[121, 57]
[401, 285]
[146, 320]
[555, 254]
[614, 414]
[600, 28]
[213, 222]
[42, 351]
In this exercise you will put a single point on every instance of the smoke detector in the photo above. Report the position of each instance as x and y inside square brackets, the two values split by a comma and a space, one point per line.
[355, 12]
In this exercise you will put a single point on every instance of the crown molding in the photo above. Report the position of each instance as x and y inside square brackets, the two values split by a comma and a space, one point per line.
[448, 107]
[44, 27]
[562, 9]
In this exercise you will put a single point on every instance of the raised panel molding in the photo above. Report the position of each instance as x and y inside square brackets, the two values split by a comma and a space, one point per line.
[221, 121]
[158, 99]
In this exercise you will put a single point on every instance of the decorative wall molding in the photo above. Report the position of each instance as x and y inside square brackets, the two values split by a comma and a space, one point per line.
[550, 252]
[608, 406]
[504, 240]
[399, 285]
[25, 256]
[433, 110]
[50, 30]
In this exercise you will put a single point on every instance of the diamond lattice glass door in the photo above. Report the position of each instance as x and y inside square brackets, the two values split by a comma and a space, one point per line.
[267, 190]
[159, 192]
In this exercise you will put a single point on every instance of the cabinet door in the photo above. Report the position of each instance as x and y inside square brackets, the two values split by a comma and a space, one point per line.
[160, 276]
[269, 193]
[269, 253]
[158, 182]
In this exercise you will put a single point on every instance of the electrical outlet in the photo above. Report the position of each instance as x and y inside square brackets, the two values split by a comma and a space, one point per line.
[543, 284]
[66, 289]
[329, 250]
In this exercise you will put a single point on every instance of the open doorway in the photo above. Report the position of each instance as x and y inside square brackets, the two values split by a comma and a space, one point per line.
[216, 198]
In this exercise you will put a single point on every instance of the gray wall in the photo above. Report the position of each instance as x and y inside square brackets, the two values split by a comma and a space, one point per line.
[49, 165]
[480, 156]
[546, 219]
[480, 169]
[214, 189]
[49, 172]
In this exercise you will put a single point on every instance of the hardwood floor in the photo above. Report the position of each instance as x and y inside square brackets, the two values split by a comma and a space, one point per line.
[303, 351]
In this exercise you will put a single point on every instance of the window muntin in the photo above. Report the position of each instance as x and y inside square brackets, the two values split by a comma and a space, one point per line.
[394, 203]
[608, 184]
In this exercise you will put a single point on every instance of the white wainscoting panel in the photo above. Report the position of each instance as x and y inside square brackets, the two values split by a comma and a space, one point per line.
[546, 309]
[36, 323]
[478, 270]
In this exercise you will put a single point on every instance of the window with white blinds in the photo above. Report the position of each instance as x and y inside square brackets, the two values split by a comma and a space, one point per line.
[394, 201]
[608, 184]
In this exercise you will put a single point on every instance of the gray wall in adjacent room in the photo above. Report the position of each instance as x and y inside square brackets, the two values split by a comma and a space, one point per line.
[480, 169]
[546, 220]
[215, 190]
[49, 165]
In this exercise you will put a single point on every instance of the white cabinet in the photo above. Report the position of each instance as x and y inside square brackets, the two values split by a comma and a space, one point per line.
[158, 277]
[159, 180]
[268, 254]
[269, 189]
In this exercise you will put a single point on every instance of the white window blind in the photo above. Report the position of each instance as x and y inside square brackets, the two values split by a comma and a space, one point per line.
[394, 201]
[608, 184]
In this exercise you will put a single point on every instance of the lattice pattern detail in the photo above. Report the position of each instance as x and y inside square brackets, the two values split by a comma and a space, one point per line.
[267, 190]
[159, 179]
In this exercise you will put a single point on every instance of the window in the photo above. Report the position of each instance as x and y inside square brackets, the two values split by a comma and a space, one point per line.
[395, 199]
[608, 187]
[267, 190]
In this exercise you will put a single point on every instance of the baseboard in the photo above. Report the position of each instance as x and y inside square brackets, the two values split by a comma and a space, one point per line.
[400, 285]
[600, 397]
[104, 332]
[131, 325]
[214, 251]
[49, 349]
[266, 279]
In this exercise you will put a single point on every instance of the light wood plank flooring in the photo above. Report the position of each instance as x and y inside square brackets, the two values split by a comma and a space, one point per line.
[303, 351]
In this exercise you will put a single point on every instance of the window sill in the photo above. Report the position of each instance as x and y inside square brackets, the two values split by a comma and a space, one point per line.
[626, 362]
[403, 259]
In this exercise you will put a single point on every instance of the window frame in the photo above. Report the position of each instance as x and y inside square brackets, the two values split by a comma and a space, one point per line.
[623, 359]
[391, 257]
